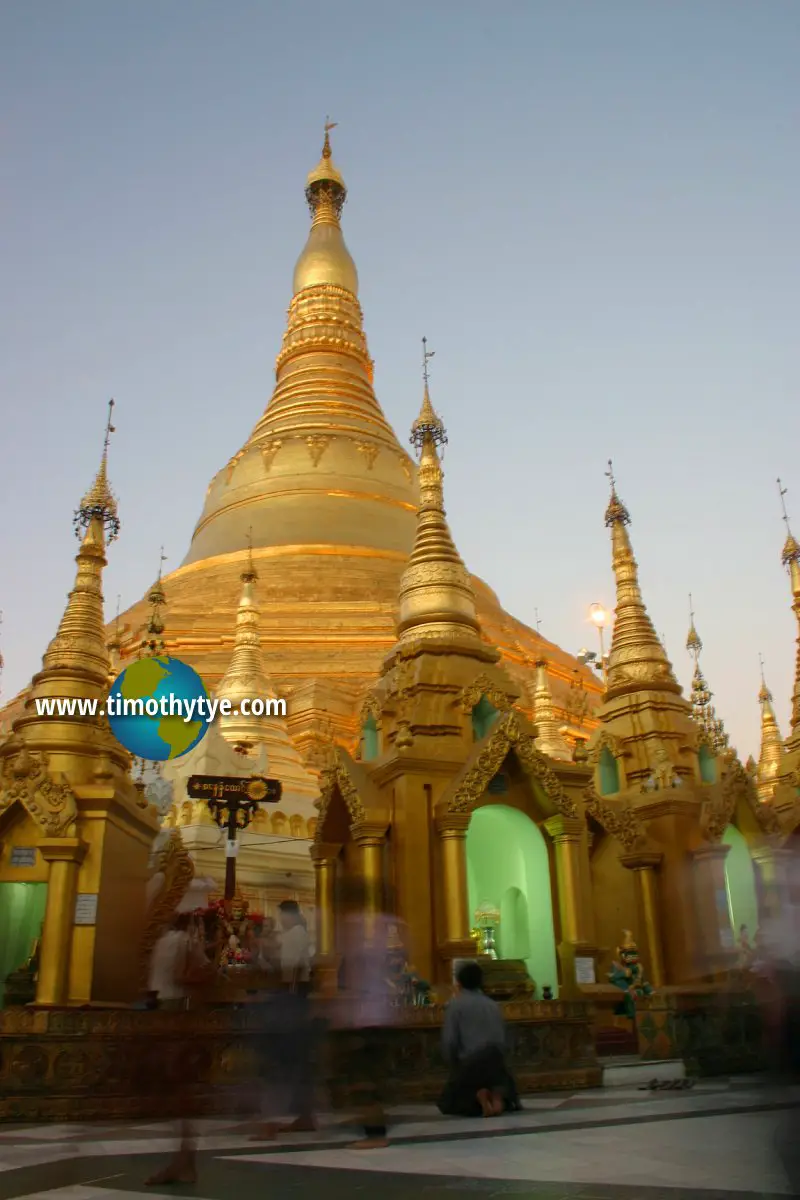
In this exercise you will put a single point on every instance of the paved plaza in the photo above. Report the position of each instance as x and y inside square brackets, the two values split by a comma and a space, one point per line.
[717, 1140]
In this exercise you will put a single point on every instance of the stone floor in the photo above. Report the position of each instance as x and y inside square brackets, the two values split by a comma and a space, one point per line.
[717, 1140]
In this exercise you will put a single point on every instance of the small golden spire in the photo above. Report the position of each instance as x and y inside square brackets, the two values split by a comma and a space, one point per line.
[549, 739]
[76, 662]
[99, 502]
[436, 596]
[703, 711]
[246, 677]
[153, 644]
[325, 259]
[790, 558]
[637, 660]
[693, 643]
[771, 753]
[325, 187]
[249, 574]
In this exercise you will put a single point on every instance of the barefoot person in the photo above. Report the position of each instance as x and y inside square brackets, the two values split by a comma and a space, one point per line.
[290, 1028]
[474, 1044]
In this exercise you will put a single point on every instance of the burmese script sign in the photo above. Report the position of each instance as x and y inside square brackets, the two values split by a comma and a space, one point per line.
[255, 789]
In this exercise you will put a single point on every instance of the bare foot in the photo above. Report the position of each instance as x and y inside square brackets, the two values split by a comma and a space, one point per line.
[300, 1125]
[370, 1144]
[491, 1103]
[265, 1133]
[182, 1171]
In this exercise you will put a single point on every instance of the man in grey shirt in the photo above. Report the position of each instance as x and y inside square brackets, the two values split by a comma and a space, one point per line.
[474, 1044]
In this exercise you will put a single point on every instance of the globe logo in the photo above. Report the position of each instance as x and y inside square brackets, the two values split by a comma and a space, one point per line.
[148, 705]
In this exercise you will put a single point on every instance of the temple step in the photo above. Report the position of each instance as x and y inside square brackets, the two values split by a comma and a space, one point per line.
[632, 1071]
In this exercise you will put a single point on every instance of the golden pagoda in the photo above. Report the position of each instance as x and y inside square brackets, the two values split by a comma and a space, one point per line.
[325, 498]
[771, 751]
[67, 802]
[786, 799]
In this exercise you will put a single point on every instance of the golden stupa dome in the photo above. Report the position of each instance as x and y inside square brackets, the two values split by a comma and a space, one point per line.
[325, 499]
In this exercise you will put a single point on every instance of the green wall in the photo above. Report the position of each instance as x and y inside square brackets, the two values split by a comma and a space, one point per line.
[508, 866]
[21, 914]
[740, 882]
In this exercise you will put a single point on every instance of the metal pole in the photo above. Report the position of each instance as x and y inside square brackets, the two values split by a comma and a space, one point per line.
[230, 850]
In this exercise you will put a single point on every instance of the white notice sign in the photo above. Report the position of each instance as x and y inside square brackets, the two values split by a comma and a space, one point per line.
[86, 908]
[23, 856]
[584, 970]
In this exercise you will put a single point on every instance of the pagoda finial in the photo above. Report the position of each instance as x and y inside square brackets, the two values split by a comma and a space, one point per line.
[249, 574]
[436, 596]
[246, 676]
[325, 187]
[153, 644]
[771, 752]
[326, 145]
[693, 642]
[637, 660]
[549, 739]
[99, 502]
[790, 557]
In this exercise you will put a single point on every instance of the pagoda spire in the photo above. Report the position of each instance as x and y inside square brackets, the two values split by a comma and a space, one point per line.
[549, 739]
[78, 649]
[76, 664]
[114, 647]
[637, 660]
[246, 676]
[322, 459]
[436, 596]
[153, 644]
[790, 557]
[703, 711]
[771, 753]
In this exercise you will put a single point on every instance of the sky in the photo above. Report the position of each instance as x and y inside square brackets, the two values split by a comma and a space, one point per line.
[590, 210]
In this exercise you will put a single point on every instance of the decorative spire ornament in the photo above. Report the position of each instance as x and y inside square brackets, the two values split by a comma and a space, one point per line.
[153, 644]
[549, 739]
[790, 557]
[703, 711]
[436, 596]
[637, 660]
[771, 752]
[246, 676]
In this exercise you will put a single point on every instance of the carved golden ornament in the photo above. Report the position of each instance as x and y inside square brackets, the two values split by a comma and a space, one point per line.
[623, 823]
[407, 467]
[175, 864]
[606, 741]
[50, 802]
[481, 686]
[232, 465]
[269, 451]
[317, 445]
[332, 778]
[370, 451]
[507, 736]
[718, 813]
[371, 707]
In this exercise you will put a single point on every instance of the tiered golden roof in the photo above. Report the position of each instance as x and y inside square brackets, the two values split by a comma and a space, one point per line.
[703, 710]
[153, 644]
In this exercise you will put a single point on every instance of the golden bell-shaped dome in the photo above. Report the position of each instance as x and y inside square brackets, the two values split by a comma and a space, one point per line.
[325, 258]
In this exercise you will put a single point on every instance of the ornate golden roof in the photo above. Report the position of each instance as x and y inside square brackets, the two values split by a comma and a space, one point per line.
[549, 738]
[637, 660]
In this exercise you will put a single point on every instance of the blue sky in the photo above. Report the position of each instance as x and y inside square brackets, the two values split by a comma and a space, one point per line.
[589, 209]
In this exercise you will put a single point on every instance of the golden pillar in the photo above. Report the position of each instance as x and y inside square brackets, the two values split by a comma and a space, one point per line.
[326, 960]
[371, 840]
[644, 867]
[771, 864]
[576, 952]
[64, 856]
[714, 932]
[456, 943]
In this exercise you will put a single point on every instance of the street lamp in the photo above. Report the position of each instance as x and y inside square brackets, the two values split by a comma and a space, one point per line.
[599, 616]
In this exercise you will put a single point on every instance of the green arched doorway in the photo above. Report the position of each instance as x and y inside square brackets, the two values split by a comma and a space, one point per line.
[508, 866]
[740, 883]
